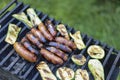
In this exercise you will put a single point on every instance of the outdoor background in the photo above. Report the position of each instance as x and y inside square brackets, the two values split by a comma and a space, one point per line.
[97, 18]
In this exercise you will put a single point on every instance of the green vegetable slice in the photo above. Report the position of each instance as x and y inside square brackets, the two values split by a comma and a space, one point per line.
[65, 73]
[96, 51]
[22, 17]
[33, 16]
[78, 59]
[63, 31]
[78, 40]
[96, 68]
[45, 71]
[12, 33]
[81, 75]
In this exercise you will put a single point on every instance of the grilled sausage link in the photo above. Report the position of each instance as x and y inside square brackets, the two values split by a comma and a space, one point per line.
[60, 46]
[58, 52]
[51, 28]
[45, 32]
[38, 34]
[66, 42]
[28, 46]
[24, 53]
[50, 56]
[34, 40]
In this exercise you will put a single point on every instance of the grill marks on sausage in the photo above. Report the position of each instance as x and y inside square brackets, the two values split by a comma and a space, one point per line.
[34, 40]
[38, 34]
[60, 46]
[58, 52]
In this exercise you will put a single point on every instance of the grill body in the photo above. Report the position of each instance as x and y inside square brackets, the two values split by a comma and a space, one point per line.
[13, 64]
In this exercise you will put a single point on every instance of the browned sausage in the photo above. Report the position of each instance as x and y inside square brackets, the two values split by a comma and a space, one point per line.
[66, 42]
[58, 52]
[34, 40]
[60, 46]
[51, 28]
[38, 34]
[28, 46]
[45, 32]
[24, 53]
[51, 57]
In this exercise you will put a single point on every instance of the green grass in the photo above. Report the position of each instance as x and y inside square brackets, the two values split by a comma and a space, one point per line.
[97, 18]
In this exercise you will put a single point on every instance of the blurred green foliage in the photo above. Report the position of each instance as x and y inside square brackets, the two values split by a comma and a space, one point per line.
[97, 18]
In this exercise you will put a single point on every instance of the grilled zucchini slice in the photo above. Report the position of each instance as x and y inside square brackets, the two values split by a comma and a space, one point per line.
[64, 73]
[45, 71]
[63, 31]
[96, 68]
[33, 16]
[23, 17]
[78, 59]
[78, 40]
[12, 33]
[96, 51]
[81, 75]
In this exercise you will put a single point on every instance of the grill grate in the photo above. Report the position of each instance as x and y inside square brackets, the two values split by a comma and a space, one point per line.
[11, 62]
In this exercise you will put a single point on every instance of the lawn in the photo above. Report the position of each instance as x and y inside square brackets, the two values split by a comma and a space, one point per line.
[97, 18]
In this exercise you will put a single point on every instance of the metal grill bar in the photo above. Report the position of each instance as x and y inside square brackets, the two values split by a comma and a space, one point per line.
[113, 67]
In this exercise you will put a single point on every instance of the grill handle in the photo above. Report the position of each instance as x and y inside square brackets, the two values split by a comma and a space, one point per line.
[8, 6]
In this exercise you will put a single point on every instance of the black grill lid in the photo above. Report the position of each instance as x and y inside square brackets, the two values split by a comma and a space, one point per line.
[11, 62]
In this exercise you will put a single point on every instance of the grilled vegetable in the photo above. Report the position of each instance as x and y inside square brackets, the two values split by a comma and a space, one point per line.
[63, 31]
[50, 56]
[45, 32]
[58, 52]
[96, 51]
[45, 71]
[96, 68]
[22, 17]
[78, 40]
[33, 16]
[60, 46]
[64, 73]
[66, 42]
[12, 33]
[81, 75]
[78, 59]
[24, 53]
[51, 28]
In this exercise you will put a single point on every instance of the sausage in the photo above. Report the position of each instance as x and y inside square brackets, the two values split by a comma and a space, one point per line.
[45, 32]
[60, 46]
[34, 40]
[28, 46]
[38, 34]
[50, 56]
[65, 42]
[51, 28]
[58, 52]
[24, 53]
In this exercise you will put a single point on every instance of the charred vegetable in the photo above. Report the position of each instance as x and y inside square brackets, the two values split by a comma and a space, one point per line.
[81, 75]
[78, 59]
[96, 51]
[65, 73]
[33, 16]
[22, 17]
[12, 33]
[63, 31]
[45, 71]
[96, 68]
[78, 40]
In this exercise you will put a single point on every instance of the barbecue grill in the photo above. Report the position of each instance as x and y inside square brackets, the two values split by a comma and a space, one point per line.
[15, 67]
